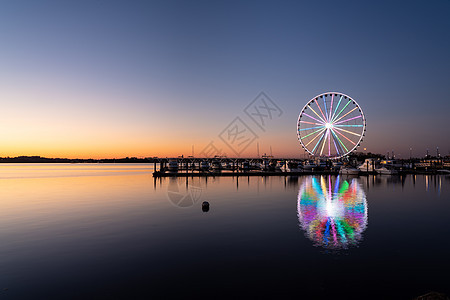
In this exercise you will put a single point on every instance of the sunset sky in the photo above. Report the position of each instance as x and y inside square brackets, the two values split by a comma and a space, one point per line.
[155, 78]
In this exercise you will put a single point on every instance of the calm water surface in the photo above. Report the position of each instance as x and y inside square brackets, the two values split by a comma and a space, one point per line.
[113, 231]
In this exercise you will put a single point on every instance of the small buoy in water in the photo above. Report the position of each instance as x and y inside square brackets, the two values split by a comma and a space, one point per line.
[205, 206]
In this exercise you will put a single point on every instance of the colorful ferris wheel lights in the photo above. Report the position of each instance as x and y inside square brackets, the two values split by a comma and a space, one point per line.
[328, 131]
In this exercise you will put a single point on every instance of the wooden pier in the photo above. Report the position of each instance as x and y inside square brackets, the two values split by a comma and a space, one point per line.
[265, 166]
[269, 166]
[242, 173]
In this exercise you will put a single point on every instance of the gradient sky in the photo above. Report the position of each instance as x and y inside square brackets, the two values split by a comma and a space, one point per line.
[152, 78]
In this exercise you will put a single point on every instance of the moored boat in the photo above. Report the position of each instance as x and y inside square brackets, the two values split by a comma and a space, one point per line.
[347, 170]
[216, 165]
[292, 166]
[173, 165]
[204, 165]
[245, 166]
[337, 164]
[443, 171]
[309, 165]
[368, 166]
[386, 171]
[265, 165]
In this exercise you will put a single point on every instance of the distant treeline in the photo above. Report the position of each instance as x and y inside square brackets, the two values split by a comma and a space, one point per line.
[38, 159]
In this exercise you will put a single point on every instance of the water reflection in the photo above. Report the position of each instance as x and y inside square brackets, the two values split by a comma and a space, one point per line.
[332, 211]
[429, 182]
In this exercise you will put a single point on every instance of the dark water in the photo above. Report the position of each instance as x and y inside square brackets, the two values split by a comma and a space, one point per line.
[112, 231]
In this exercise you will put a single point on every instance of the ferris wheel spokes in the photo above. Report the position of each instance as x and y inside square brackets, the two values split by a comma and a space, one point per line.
[313, 117]
[341, 143]
[318, 142]
[347, 131]
[325, 118]
[315, 137]
[311, 123]
[323, 121]
[343, 126]
[331, 106]
[334, 113]
[347, 120]
[346, 138]
[325, 105]
[335, 117]
[314, 132]
[324, 141]
[349, 112]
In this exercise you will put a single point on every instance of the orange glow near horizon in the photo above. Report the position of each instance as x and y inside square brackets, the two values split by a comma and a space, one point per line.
[91, 150]
[118, 151]
[133, 146]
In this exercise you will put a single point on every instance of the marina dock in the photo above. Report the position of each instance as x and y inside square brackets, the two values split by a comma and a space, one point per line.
[269, 166]
[250, 173]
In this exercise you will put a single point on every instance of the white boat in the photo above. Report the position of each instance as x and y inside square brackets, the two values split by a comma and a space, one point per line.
[385, 171]
[392, 163]
[173, 165]
[367, 166]
[309, 165]
[292, 166]
[443, 171]
[347, 170]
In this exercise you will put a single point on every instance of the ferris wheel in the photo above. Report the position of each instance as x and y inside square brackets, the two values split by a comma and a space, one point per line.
[331, 125]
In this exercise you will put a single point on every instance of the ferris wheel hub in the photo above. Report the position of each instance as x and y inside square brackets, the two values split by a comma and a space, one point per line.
[329, 125]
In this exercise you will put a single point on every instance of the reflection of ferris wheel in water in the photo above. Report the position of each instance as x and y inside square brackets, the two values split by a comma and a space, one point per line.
[331, 125]
[333, 214]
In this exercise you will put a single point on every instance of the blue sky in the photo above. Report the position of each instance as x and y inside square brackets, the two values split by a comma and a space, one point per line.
[161, 76]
